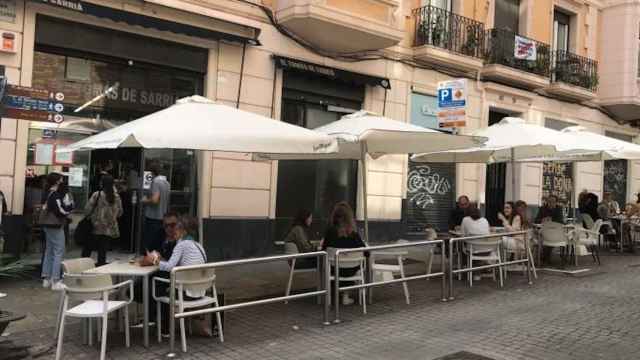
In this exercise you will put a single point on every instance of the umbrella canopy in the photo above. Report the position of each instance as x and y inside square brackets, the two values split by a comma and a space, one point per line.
[509, 140]
[595, 147]
[197, 123]
[381, 136]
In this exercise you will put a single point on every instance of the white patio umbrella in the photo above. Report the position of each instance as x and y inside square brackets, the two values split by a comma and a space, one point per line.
[594, 147]
[513, 140]
[197, 123]
[363, 133]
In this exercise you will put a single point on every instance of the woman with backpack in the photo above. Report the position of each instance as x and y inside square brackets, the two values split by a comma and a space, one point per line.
[104, 208]
[53, 218]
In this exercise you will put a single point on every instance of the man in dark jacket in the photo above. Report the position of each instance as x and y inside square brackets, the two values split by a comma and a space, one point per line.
[550, 211]
[457, 214]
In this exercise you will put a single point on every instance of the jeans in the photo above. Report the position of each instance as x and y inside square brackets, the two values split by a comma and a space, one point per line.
[53, 253]
[153, 235]
[100, 244]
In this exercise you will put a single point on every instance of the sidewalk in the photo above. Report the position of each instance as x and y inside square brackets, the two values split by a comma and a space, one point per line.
[594, 316]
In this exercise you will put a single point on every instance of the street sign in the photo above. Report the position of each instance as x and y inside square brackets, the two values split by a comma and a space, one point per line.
[27, 103]
[452, 102]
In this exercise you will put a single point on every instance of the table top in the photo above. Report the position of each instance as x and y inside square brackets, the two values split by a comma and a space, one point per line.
[122, 268]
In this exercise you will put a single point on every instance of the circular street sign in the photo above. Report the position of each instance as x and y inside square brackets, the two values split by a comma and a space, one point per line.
[59, 96]
[58, 107]
[58, 118]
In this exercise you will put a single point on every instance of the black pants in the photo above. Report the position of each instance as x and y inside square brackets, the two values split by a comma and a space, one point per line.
[99, 243]
[153, 235]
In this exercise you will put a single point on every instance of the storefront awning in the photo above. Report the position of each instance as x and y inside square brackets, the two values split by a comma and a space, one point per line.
[331, 73]
[150, 22]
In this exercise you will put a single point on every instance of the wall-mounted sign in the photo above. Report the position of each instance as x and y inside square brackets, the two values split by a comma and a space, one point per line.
[75, 5]
[452, 103]
[27, 103]
[44, 154]
[8, 11]
[75, 177]
[8, 42]
[525, 49]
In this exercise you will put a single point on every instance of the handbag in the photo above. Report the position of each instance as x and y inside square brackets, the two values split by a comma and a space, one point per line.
[84, 231]
[47, 218]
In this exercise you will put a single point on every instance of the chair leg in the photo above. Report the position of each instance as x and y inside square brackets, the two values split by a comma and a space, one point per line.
[183, 335]
[158, 321]
[533, 266]
[126, 327]
[103, 348]
[430, 261]
[404, 284]
[218, 316]
[470, 273]
[500, 269]
[90, 326]
[99, 329]
[290, 281]
[60, 337]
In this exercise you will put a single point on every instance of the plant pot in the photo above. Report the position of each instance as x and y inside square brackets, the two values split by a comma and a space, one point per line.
[6, 318]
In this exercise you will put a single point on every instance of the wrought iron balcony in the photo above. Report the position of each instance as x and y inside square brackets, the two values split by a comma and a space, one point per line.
[575, 70]
[441, 28]
[501, 50]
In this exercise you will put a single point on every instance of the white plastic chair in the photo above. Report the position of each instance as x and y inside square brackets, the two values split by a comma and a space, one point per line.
[196, 281]
[388, 271]
[350, 260]
[292, 248]
[93, 293]
[554, 235]
[589, 239]
[488, 250]
[514, 245]
[75, 267]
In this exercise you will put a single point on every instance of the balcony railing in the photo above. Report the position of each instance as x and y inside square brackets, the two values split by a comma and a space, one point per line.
[444, 29]
[501, 49]
[575, 70]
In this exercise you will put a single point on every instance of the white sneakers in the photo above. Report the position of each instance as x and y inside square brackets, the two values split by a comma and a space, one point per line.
[55, 286]
[346, 300]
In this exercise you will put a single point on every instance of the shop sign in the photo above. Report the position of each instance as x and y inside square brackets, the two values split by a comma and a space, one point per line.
[525, 49]
[75, 5]
[452, 103]
[49, 133]
[27, 103]
[8, 11]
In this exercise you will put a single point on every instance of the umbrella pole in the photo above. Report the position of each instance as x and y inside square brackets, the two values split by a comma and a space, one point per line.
[363, 158]
[513, 175]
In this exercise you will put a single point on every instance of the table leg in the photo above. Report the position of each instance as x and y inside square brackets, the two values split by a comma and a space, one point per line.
[145, 311]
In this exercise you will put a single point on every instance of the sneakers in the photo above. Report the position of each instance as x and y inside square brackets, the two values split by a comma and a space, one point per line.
[46, 283]
[57, 286]
[346, 300]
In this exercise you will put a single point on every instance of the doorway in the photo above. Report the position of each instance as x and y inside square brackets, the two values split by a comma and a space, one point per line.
[495, 186]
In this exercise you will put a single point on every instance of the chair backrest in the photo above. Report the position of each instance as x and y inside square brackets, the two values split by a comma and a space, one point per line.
[196, 280]
[485, 244]
[77, 266]
[75, 282]
[553, 233]
[588, 222]
[597, 225]
[290, 248]
[348, 260]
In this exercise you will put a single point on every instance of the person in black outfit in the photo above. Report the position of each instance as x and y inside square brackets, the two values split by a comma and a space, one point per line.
[457, 214]
[342, 234]
[550, 211]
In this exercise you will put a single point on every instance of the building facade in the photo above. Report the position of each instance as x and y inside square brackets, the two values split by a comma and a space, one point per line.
[308, 62]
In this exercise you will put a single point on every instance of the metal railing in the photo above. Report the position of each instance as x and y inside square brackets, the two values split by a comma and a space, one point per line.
[501, 264]
[320, 255]
[444, 29]
[500, 49]
[373, 249]
[575, 70]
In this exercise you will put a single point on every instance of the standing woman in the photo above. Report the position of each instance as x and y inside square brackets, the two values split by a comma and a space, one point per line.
[57, 206]
[105, 207]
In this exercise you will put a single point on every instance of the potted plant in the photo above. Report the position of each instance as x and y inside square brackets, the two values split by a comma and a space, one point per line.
[470, 46]
[11, 270]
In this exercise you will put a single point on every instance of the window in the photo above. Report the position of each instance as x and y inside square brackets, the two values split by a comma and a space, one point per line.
[507, 15]
[442, 4]
[561, 30]
[557, 124]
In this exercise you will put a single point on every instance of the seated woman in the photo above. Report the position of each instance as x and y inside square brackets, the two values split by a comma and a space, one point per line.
[631, 210]
[300, 235]
[474, 224]
[187, 250]
[342, 234]
[514, 218]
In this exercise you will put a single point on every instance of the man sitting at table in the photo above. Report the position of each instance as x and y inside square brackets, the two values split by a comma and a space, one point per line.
[550, 211]
[458, 213]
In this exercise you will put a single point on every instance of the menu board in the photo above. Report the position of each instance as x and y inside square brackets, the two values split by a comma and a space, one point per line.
[557, 179]
[615, 180]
